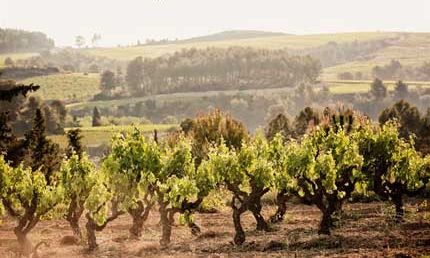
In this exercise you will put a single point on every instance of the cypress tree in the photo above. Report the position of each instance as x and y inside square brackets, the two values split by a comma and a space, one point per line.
[97, 119]
[75, 145]
[41, 153]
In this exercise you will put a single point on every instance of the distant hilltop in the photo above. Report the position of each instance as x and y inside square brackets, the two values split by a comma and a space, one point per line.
[234, 35]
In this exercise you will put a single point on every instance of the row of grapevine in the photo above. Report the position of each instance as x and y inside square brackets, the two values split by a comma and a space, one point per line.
[342, 155]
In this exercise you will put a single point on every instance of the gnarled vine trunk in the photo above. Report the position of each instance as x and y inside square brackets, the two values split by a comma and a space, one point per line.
[398, 203]
[74, 213]
[242, 202]
[92, 226]
[281, 202]
[166, 219]
[255, 207]
[191, 207]
[239, 237]
[139, 215]
[25, 244]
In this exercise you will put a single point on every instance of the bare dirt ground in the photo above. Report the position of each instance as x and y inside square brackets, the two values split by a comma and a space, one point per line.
[365, 230]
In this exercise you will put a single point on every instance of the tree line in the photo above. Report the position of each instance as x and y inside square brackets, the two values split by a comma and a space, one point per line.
[396, 71]
[219, 69]
[12, 40]
[334, 53]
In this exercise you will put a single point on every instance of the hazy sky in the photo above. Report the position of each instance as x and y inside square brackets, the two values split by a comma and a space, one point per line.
[125, 21]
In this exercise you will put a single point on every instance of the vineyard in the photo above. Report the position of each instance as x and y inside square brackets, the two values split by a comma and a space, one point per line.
[68, 87]
[147, 185]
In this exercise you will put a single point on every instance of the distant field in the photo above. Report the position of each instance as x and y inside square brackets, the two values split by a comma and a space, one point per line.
[412, 50]
[336, 87]
[15, 57]
[277, 42]
[94, 136]
[173, 96]
[68, 87]
[346, 87]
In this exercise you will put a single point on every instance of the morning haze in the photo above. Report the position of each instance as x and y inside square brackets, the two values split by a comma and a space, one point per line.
[124, 22]
[223, 128]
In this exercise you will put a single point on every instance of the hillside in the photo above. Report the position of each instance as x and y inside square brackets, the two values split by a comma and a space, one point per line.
[69, 87]
[19, 41]
[295, 42]
[234, 35]
[411, 49]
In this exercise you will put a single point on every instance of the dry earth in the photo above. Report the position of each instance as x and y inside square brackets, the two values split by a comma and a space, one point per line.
[365, 230]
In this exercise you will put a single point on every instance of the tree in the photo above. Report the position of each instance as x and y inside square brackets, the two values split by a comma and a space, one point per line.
[20, 41]
[79, 41]
[60, 111]
[107, 81]
[31, 190]
[12, 148]
[95, 39]
[401, 90]
[139, 172]
[9, 62]
[135, 76]
[407, 116]
[280, 124]
[97, 119]
[97, 204]
[306, 119]
[28, 197]
[74, 138]
[176, 185]
[221, 69]
[378, 90]
[212, 128]
[78, 176]
[392, 166]
[93, 68]
[15, 90]
[326, 167]
[130, 158]
[423, 141]
[248, 174]
[40, 152]
[339, 119]
[7, 138]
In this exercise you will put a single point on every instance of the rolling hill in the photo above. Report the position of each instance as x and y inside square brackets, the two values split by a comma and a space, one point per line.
[234, 35]
[294, 42]
[411, 49]
[66, 86]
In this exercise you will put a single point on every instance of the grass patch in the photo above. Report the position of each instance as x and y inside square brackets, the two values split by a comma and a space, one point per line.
[67, 87]
[351, 87]
[15, 57]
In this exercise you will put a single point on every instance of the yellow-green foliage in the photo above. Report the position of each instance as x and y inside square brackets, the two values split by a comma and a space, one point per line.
[21, 186]
[68, 87]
